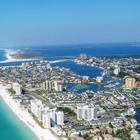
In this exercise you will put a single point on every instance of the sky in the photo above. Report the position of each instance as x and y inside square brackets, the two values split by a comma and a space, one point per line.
[48, 22]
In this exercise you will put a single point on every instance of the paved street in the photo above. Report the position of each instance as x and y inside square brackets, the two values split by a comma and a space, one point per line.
[39, 98]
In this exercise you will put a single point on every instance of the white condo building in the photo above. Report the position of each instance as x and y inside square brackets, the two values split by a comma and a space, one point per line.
[60, 118]
[43, 86]
[46, 120]
[116, 71]
[48, 85]
[53, 118]
[80, 114]
[57, 86]
[35, 106]
[51, 85]
[17, 88]
[86, 113]
[49, 117]
[95, 113]
[40, 114]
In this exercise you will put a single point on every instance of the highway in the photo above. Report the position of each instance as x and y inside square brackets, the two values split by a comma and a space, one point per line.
[38, 97]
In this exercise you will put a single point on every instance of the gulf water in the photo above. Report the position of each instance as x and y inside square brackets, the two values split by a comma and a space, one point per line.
[11, 127]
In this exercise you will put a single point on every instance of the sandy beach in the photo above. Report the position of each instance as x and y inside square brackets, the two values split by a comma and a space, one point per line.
[42, 134]
[11, 59]
[57, 61]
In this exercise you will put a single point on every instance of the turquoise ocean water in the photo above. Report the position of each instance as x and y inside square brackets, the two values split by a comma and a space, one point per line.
[11, 127]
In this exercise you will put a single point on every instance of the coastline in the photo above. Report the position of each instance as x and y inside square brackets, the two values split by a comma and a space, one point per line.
[57, 61]
[42, 134]
[10, 52]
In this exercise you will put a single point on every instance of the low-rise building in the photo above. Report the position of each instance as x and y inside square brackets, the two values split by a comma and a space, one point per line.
[99, 79]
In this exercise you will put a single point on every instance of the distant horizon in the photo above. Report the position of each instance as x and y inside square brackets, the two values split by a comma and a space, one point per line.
[69, 45]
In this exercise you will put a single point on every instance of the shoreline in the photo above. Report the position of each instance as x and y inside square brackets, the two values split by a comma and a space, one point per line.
[42, 134]
[10, 52]
[58, 61]
[11, 59]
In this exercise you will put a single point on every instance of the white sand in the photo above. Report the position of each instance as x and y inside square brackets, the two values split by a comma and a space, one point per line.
[57, 61]
[43, 134]
[11, 59]
[10, 52]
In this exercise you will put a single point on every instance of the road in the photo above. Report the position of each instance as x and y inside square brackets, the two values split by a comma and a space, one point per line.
[34, 95]
[39, 98]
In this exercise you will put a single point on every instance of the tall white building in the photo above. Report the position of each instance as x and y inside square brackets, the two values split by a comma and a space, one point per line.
[116, 71]
[86, 113]
[40, 114]
[57, 86]
[95, 113]
[46, 120]
[80, 113]
[51, 85]
[17, 88]
[48, 85]
[60, 118]
[53, 117]
[49, 117]
[43, 86]
[35, 106]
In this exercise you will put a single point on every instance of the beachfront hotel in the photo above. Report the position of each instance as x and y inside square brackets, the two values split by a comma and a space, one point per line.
[60, 118]
[36, 107]
[17, 88]
[53, 117]
[46, 120]
[49, 117]
[86, 113]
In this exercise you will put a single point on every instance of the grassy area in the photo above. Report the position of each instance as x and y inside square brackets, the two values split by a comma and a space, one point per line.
[11, 91]
[121, 74]
[138, 102]
[75, 118]
[67, 111]
[67, 138]
[130, 117]
[36, 120]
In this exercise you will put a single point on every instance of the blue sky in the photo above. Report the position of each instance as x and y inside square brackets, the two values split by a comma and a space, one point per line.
[45, 22]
